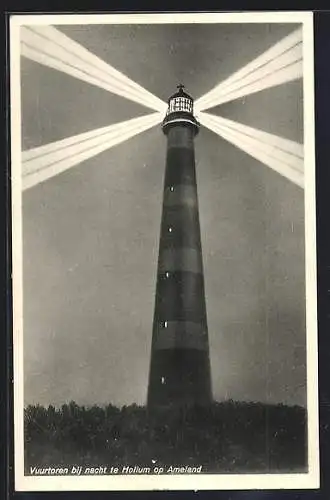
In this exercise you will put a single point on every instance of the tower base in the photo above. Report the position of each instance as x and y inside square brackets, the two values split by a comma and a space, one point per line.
[179, 378]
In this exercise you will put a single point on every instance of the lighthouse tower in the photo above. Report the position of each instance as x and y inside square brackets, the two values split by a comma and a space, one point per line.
[180, 366]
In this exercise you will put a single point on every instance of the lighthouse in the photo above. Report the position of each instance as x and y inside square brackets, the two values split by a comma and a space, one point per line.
[180, 366]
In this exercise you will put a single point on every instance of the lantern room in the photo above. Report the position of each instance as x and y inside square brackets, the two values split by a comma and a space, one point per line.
[180, 101]
[180, 110]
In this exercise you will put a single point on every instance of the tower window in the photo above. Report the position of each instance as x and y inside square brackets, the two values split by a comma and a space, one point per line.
[167, 274]
[171, 188]
[170, 229]
[165, 324]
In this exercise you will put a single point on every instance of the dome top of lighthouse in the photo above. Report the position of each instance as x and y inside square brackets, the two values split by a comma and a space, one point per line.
[180, 93]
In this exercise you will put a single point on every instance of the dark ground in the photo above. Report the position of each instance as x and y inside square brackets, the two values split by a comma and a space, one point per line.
[228, 437]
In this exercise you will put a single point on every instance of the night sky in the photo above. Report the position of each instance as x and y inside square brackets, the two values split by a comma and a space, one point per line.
[90, 235]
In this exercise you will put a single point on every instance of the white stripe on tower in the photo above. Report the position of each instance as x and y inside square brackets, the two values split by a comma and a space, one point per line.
[48, 46]
[280, 64]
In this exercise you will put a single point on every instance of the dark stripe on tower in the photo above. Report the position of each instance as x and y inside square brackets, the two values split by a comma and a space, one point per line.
[178, 297]
[178, 378]
[180, 367]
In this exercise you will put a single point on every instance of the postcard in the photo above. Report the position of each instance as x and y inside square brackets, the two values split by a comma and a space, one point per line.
[164, 251]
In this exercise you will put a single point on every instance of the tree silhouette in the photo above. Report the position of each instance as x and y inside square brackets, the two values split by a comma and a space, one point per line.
[228, 436]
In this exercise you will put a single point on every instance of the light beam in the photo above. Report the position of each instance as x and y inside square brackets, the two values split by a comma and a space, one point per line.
[41, 163]
[48, 46]
[282, 155]
[280, 64]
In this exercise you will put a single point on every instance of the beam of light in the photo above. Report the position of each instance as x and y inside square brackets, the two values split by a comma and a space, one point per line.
[280, 64]
[295, 149]
[48, 46]
[282, 155]
[41, 163]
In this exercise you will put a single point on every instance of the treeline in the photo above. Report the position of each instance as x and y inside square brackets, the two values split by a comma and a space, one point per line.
[224, 437]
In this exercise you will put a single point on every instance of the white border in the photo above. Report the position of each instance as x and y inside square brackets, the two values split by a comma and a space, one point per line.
[309, 480]
[166, 18]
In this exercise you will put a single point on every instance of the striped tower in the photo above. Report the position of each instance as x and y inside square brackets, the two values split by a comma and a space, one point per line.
[180, 367]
